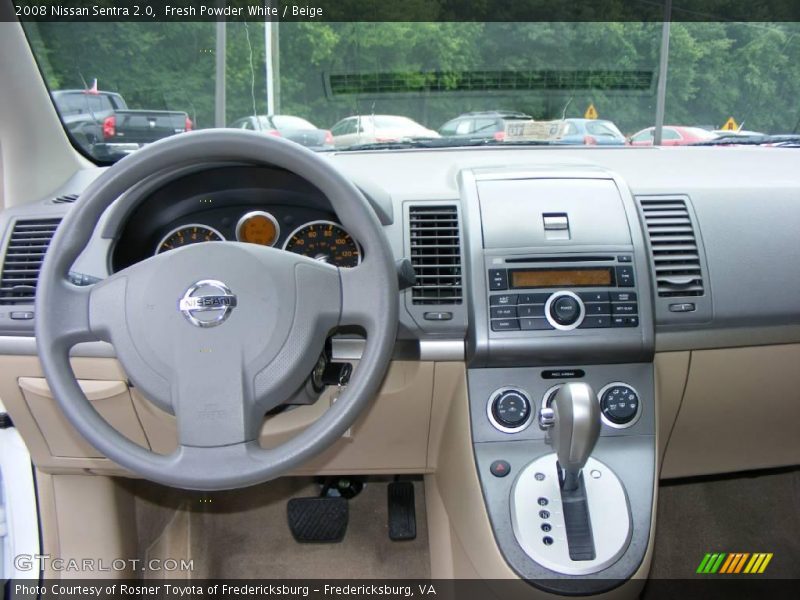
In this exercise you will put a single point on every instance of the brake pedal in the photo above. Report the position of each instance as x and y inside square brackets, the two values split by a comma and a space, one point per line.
[318, 520]
[402, 514]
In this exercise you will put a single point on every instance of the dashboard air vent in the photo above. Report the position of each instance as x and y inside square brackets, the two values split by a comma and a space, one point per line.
[675, 254]
[23, 259]
[436, 254]
[65, 199]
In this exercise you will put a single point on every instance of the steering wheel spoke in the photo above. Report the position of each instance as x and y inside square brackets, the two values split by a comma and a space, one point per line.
[69, 321]
[362, 304]
[214, 405]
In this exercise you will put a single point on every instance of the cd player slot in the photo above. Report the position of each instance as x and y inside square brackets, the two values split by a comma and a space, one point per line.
[559, 259]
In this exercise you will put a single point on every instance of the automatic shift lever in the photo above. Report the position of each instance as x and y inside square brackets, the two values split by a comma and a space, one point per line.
[576, 426]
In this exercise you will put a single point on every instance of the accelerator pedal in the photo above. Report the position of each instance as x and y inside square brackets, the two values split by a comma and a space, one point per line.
[402, 515]
[318, 520]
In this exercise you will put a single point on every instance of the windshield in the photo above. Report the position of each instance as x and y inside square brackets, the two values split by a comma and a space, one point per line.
[119, 86]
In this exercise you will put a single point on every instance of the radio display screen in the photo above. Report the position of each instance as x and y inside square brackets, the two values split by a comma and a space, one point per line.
[547, 278]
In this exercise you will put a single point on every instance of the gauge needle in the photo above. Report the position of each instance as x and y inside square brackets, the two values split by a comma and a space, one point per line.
[322, 258]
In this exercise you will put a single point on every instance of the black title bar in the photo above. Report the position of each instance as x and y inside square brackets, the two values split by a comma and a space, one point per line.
[399, 10]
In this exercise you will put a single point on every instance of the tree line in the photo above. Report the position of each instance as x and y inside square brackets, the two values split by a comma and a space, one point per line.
[432, 72]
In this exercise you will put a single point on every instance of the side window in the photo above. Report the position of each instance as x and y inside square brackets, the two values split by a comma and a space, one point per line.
[644, 136]
[670, 134]
[596, 128]
[340, 128]
[246, 124]
[486, 126]
[449, 128]
[105, 103]
[464, 127]
[570, 129]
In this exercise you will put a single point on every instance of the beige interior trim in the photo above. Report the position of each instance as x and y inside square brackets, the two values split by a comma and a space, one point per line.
[671, 370]
[391, 436]
[86, 518]
[740, 411]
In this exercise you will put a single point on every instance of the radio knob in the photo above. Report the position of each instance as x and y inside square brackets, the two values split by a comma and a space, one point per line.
[565, 310]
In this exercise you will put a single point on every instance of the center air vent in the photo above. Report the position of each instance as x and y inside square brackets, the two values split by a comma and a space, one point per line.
[436, 254]
[23, 260]
[675, 253]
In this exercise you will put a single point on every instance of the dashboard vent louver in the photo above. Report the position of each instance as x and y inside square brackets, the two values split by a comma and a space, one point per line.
[65, 199]
[23, 259]
[436, 254]
[674, 249]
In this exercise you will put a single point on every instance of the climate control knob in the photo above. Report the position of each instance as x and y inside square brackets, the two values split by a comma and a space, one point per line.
[620, 405]
[509, 410]
[564, 310]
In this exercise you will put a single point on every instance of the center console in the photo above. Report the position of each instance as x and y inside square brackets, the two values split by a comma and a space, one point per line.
[561, 384]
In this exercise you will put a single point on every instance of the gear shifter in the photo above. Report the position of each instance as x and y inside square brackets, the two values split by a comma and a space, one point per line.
[576, 426]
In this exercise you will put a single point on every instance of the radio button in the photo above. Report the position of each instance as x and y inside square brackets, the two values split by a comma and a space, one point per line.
[625, 276]
[533, 324]
[505, 325]
[618, 321]
[596, 322]
[624, 308]
[593, 296]
[503, 312]
[565, 310]
[498, 279]
[598, 308]
[533, 298]
[503, 300]
[623, 296]
[533, 310]
[625, 258]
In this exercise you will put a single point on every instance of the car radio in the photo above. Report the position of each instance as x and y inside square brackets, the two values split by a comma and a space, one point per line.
[563, 293]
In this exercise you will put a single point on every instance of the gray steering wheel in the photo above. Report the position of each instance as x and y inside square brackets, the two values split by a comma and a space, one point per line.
[218, 333]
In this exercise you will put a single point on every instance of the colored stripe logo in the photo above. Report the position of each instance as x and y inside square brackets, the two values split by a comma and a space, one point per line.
[734, 563]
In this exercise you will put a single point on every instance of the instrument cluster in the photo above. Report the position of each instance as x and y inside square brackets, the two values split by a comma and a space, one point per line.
[322, 240]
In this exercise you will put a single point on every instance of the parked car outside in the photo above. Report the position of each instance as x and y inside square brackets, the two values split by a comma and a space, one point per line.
[672, 135]
[370, 129]
[481, 125]
[290, 127]
[102, 123]
[599, 132]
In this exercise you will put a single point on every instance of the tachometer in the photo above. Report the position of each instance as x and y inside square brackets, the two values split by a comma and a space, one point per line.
[324, 241]
[188, 234]
[258, 227]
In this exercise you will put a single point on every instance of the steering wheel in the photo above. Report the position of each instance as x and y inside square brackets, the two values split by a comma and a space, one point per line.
[220, 333]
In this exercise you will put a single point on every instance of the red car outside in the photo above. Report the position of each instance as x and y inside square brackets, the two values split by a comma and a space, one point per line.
[672, 135]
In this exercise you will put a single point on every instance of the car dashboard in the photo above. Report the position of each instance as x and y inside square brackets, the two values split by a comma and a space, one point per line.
[664, 280]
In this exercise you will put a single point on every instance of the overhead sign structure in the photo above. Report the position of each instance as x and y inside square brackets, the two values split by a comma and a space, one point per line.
[730, 125]
[591, 112]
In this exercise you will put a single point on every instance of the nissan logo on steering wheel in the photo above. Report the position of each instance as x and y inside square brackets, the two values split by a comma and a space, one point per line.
[207, 303]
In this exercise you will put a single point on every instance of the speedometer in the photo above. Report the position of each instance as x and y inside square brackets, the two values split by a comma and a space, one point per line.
[188, 234]
[324, 241]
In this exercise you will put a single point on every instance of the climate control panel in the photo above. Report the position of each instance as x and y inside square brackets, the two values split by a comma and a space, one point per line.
[510, 410]
[619, 405]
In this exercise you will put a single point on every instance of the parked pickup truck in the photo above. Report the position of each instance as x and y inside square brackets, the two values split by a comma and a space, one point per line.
[104, 125]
